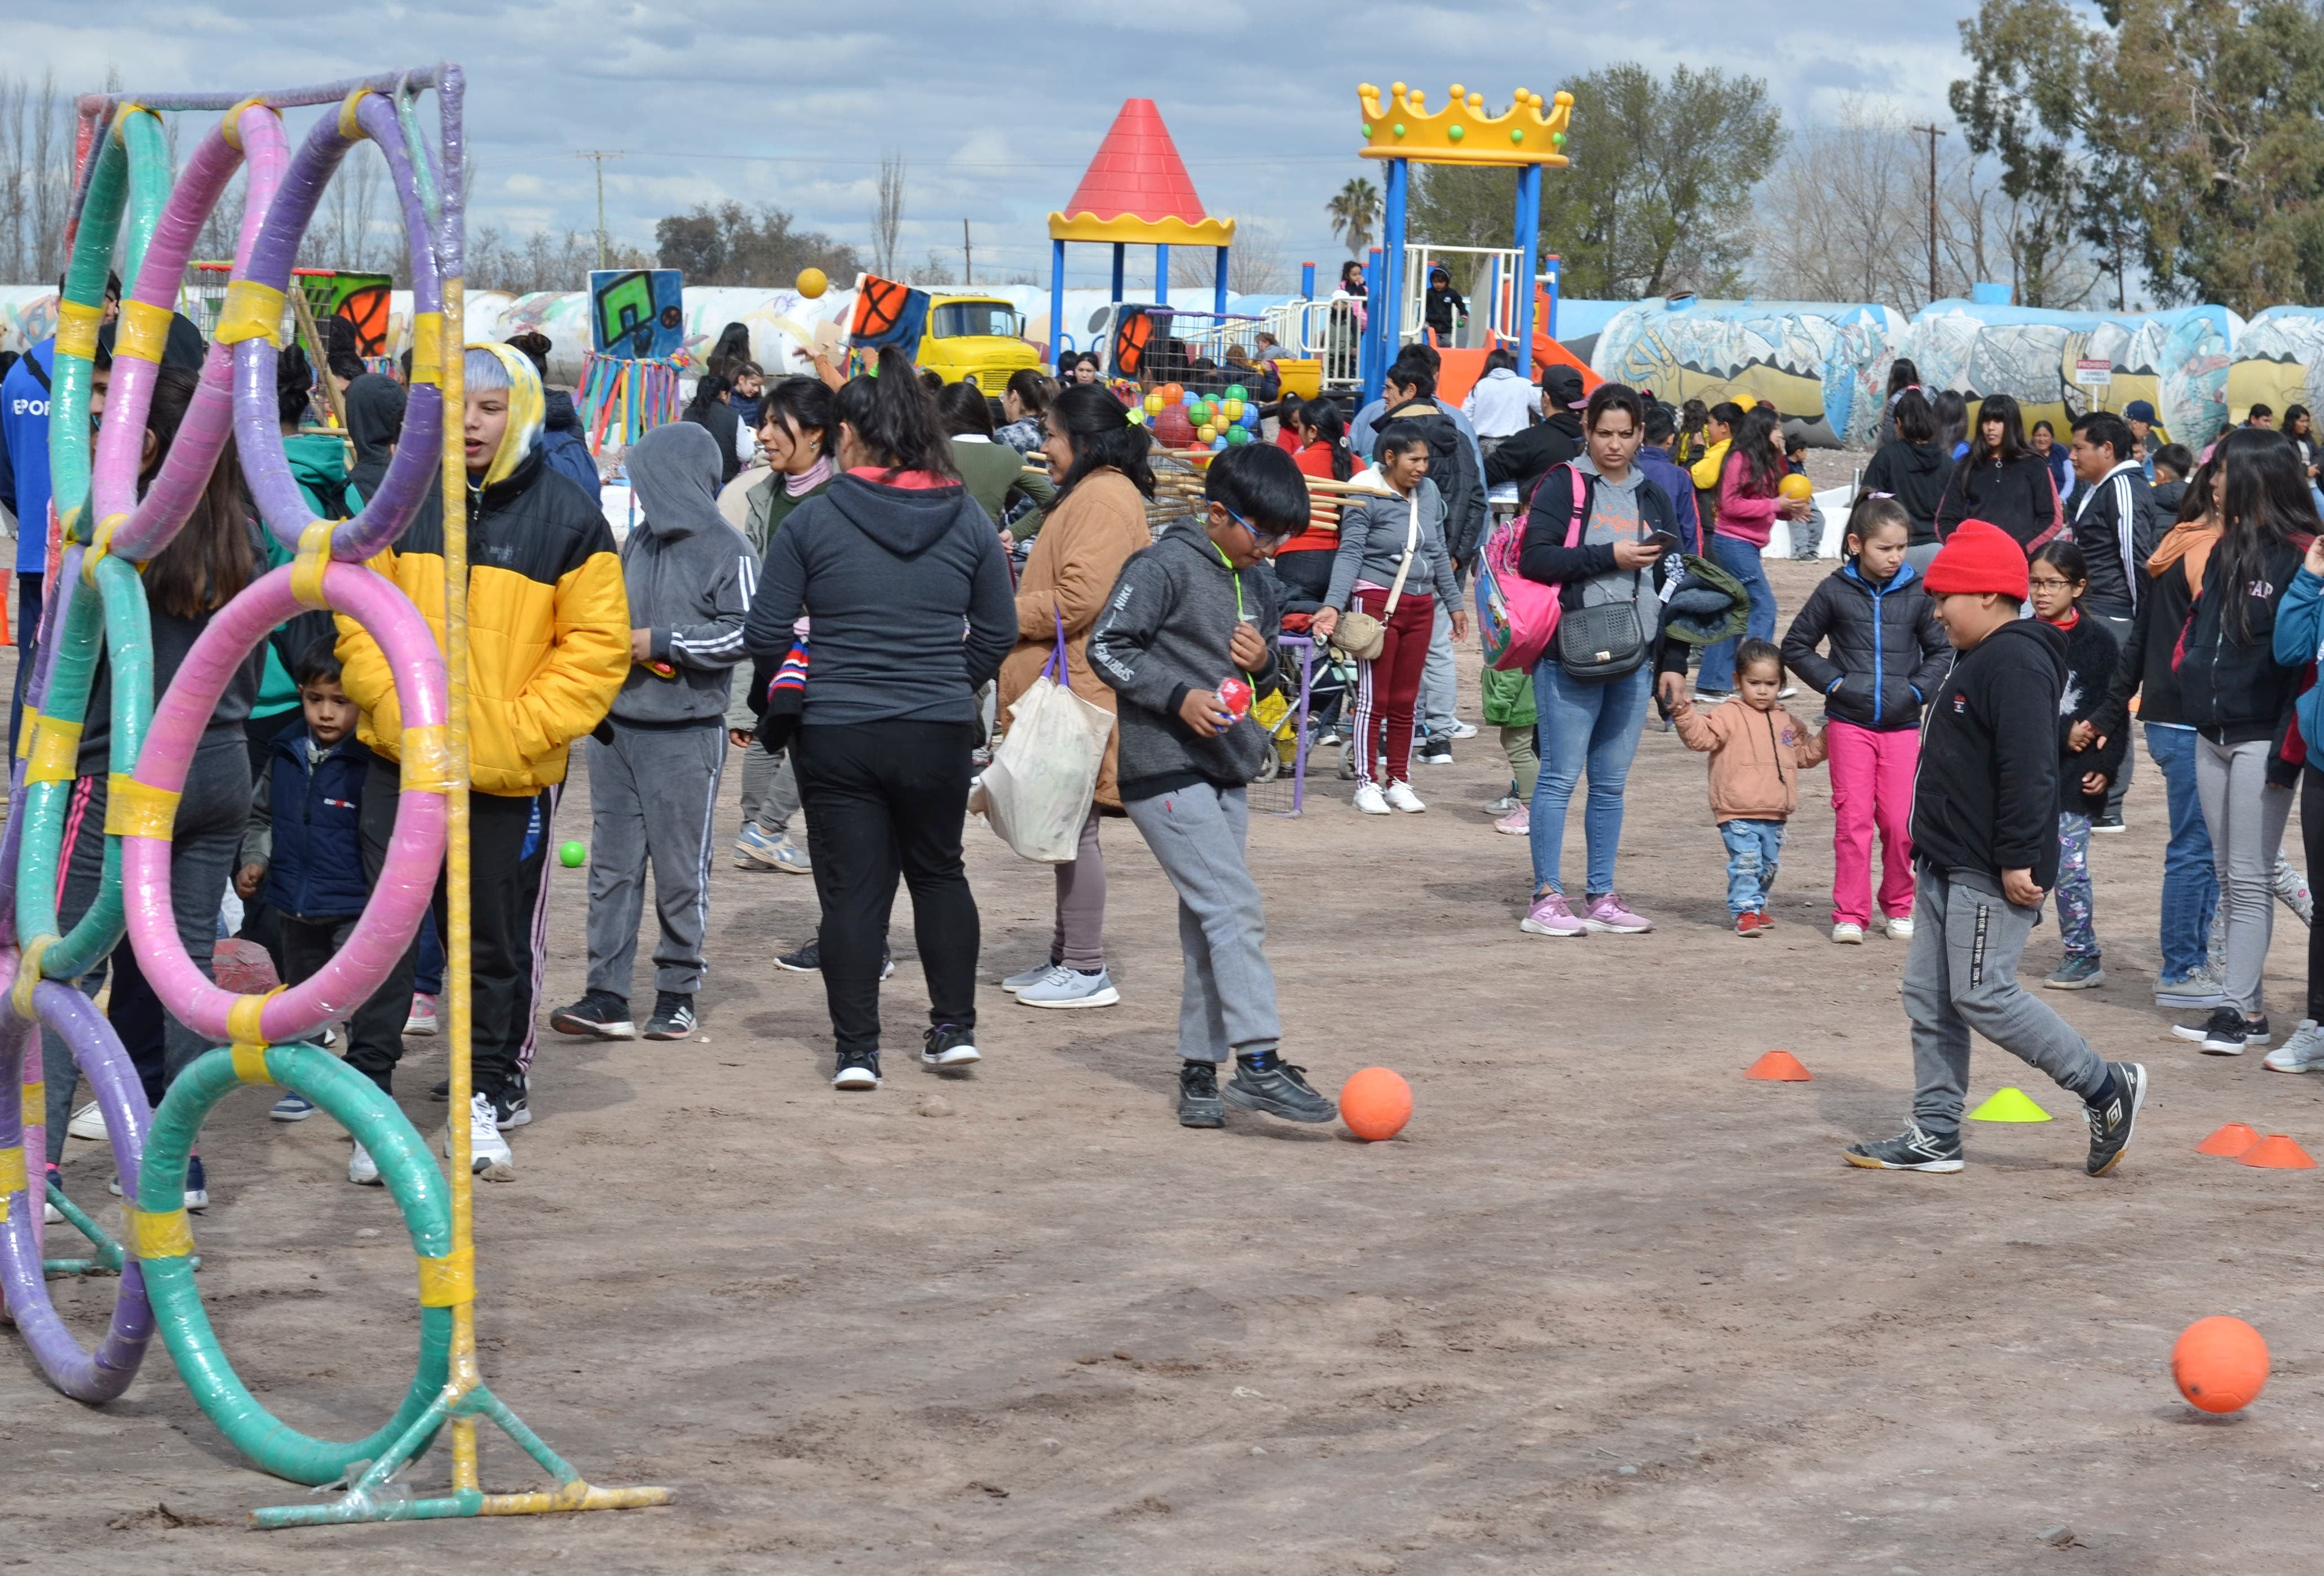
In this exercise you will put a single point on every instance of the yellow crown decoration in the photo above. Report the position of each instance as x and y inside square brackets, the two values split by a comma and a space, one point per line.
[1462, 132]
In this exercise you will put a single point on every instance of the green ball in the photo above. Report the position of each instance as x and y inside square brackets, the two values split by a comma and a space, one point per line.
[1398, 128]
[1516, 136]
[573, 855]
[1235, 435]
[1557, 139]
[1368, 130]
[1456, 133]
[1237, 391]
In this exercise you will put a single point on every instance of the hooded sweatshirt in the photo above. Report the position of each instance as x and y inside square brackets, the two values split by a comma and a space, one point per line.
[1166, 629]
[1985, 799]
[690, 576]
[1915, 475]
[1373, 528]
[1501, 403]
[562, 445]
[888, 567]
[374, 421]
[1756, 758]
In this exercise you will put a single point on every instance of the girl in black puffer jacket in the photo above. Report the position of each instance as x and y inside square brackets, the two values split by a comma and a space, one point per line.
[1884, 655]
[2002, 481]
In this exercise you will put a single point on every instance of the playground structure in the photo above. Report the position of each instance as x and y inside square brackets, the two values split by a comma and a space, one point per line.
[104, 531]
[1135, 192]
[1401, 132]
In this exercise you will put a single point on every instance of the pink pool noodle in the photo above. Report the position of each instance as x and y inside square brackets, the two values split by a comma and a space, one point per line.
[415, 852]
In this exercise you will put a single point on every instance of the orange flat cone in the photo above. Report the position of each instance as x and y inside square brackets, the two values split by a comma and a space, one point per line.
[1779, 1068]
[2230, 1140]
[2277, 1153]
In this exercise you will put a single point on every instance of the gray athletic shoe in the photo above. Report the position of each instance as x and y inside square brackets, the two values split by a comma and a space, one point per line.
[2112, 1115]
[1032, 976]
[1280, 1091]
[1065, 988]
[1914, 1149]
[2078, 972]
[1199, 1105]
[2195, 988]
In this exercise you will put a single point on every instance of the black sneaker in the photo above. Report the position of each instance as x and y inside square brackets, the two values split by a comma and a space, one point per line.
[599, 1015]
[1199, 1105]
[808, 960]
[2113, 1116]
[1914, 1149]
[859, 1071]
[673, 1017]
[1435, 752]
[1280, 1091]
[948, 1044]
[514, 1107]
[2225, 1033]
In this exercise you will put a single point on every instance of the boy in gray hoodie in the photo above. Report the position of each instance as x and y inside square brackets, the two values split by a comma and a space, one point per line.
[655, 764]
[1194, 610]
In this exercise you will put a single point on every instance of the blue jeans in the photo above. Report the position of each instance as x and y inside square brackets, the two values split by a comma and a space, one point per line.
[2190, 882]
[1741, 559]
[1755, 851]
[1592, 725]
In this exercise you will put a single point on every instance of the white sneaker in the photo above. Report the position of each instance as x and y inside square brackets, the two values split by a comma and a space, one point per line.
[88, 1123]
[488, 1153]
[1788, 691]
[362, 1169]
[1460, 730]
[1063, 986]
[1400, 796]
[1847, 935]
[1032, 976]
[2303, 1052]
[422, 1018]
[1901, 930]
[1370, 800]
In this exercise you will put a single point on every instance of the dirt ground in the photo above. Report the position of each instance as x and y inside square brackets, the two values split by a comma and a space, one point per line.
[1604, 1307]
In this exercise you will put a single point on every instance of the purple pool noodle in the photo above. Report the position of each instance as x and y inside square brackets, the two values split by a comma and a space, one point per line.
[415, 850]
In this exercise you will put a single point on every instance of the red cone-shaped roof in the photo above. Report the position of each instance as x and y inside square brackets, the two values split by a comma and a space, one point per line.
[1138, 171]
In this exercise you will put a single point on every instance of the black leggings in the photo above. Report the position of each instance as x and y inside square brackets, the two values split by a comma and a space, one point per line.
[2311, 837]
[884, 800]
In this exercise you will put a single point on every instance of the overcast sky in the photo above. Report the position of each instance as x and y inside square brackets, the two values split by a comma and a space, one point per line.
[997, 107]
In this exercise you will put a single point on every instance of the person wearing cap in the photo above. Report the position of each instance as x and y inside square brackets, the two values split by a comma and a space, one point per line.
[2146, 433]
[1985, 840]
[1526, 457]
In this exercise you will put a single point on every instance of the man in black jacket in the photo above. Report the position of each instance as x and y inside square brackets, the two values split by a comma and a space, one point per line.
[1985, 831]
[1526, 457]
[2115, 526]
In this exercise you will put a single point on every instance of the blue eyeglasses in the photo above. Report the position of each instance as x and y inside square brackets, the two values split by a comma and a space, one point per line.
[1263, 537]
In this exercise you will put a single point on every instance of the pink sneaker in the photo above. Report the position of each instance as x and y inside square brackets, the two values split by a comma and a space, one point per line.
[1518, 823]
[1609, 912]
[1549, 915]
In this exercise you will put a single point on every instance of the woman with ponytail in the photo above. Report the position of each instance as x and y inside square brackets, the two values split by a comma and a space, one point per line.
[890, 563]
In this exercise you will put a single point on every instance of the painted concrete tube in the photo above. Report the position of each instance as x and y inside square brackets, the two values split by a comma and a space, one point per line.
[414, 853]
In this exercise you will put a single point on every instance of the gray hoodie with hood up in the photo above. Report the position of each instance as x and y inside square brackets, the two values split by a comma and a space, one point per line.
[690, 577]
[1166, 630]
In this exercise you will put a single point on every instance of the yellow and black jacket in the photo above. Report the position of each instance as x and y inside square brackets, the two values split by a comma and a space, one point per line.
[548, 624]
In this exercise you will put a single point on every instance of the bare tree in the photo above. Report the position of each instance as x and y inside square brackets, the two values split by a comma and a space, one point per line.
[344, 236]
[1255, 264]
[1843, 216]
[888, 214]
[35, 177]
[936, 271]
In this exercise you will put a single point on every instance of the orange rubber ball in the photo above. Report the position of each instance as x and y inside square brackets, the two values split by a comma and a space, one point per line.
[1795, 487]
[2220, 1364]
[1375, 1103]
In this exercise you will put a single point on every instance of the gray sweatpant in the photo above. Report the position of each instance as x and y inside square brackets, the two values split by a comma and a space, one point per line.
[770, 794]
[1439, 683]
[2245, 819]
[1078, 942]
[1960, 975]
[652, 795]
[1197, 834]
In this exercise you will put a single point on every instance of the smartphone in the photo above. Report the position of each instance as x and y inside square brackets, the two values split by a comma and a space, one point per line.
[1662, 541]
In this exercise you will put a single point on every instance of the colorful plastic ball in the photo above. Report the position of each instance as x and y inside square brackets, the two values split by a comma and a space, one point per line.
[2219, 1364]
[1173, 392]
[1233, 406]
[1250, 417]
[1153, 404]
[812, 283]
[1375, 1103]
[1796, 487]
[573, 855]
[1218, 444]
[1238, 435]
[1206, 432]
[1237, 391]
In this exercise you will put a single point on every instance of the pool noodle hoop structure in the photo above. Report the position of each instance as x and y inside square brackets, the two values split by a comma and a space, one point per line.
[107, 532]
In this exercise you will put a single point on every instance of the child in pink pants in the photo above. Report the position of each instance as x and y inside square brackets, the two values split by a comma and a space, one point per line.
[1868, 639]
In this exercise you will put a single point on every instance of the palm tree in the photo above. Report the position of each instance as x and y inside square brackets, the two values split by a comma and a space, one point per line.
[1354, 213]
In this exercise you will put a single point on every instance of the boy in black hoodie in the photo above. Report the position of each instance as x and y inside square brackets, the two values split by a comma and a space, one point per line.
[1985, 831]
[1194, 610]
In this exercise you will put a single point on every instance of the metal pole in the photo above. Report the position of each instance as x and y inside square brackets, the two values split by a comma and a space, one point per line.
[1306, 281]
[1162, 276]
[967, 257]
[1057, 298]
[600, 159]
[1219, 287]
[1387, 305]
[1528, 248]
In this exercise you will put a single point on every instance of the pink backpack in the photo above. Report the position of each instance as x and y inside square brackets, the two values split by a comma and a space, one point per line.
[1517, 618]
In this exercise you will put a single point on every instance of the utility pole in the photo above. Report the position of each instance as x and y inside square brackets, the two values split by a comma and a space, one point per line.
[967, 258]
[1932, 132]
[599, 158]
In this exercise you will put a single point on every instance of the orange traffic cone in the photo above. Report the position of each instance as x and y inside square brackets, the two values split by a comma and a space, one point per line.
[2277, 1153]
[2230, 1140]
[1779, 1068]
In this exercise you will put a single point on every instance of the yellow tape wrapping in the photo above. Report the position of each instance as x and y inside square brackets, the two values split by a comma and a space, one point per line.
[32, 725]
[448, 1281]
[427, 347]
[250, 1060]
[77, 325]
[100, 547]
[230, 128]
[56, 752]
[252, 311]
[168, 1235]
[349, 127]
[121, 114]
[314, 558]
[138, 809]
[11, 1171]
[142, 332]
[28, 975]
[241, 1022]
[427, 761]
[36, 1098]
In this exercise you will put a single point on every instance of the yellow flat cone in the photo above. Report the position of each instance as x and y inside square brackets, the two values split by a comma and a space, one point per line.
[2009, 1105]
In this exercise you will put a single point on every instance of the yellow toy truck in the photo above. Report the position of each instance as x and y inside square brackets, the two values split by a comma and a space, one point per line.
[975, 337]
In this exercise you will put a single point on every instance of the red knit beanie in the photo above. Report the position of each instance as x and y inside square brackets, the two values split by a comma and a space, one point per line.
[1978, 557]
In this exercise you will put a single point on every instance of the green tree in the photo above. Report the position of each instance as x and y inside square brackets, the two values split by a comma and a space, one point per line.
[2026, 108]
[1657, 198]
[731, 244]
[1355, 214]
